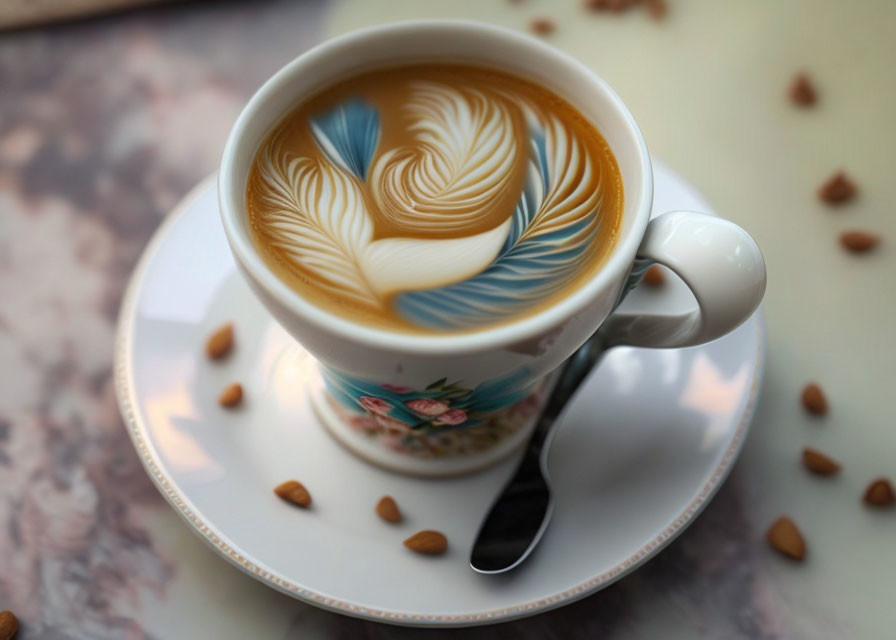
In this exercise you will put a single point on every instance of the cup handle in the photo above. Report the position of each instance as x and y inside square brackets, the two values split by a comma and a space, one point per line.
[720, 263]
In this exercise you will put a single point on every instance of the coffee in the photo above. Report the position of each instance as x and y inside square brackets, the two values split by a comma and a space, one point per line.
[434, 197]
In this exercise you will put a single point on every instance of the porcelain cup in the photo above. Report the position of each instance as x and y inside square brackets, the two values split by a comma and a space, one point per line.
[450, 403]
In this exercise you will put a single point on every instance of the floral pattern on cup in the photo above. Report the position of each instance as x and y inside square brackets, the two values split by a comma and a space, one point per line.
[441, 406]
[487, 431]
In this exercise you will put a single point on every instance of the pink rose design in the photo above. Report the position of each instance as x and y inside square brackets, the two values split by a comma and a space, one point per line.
[455, 416]
[427, 407]
[374, 405]
[397, 388]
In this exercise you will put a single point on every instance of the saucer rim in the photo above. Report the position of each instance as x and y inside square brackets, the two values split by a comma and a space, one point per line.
[137, 430]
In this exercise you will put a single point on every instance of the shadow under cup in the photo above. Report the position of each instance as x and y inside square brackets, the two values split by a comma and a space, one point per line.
[441, 404]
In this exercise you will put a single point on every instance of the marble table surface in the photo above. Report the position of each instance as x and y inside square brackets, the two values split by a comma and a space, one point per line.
[105, 123]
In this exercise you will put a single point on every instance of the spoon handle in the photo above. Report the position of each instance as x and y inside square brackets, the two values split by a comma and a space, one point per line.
[520, 514]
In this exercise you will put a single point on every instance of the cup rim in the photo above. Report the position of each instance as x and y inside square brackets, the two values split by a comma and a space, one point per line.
[490, 338]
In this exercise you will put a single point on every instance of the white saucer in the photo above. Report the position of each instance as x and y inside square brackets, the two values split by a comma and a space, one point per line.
[643, 447]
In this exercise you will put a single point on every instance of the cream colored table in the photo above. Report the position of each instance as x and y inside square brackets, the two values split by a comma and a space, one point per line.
[106, 123]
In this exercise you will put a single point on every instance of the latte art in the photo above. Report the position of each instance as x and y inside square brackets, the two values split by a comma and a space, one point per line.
[434, 198]
[461, 158]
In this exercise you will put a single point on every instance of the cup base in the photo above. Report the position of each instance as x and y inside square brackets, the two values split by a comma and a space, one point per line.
[443, 454]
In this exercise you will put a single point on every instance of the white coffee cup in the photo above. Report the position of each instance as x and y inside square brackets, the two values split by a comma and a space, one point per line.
[378, 377]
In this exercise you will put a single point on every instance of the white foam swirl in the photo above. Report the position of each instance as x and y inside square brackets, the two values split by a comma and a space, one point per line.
[455, 174]
[553, 228]
[316, 216]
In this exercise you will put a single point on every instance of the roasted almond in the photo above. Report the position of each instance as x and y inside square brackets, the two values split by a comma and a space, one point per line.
[9, 625]
[819, 463]
[295, 492]
[785, 538]
[427, 541]
[858, 241]
[802, 91]
[388, 510]
[543, 26]
[232, 396]
[220, 342]
[837, 189]
[654, 276]
[880, 493]
[814, 399]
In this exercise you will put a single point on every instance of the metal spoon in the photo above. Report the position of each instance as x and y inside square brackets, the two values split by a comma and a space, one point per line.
[520, 514]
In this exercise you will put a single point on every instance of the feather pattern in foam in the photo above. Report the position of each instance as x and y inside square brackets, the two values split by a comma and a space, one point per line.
[317, 217]
[553, 226]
